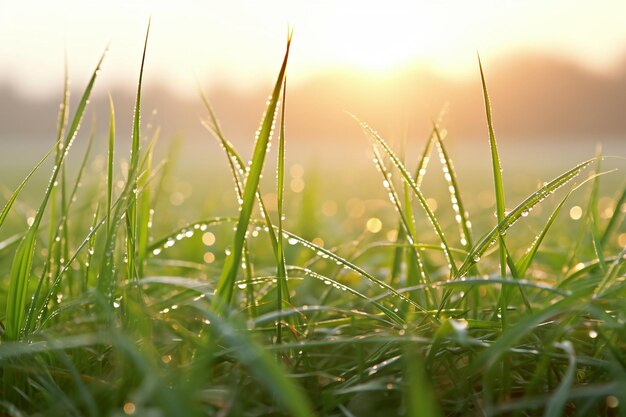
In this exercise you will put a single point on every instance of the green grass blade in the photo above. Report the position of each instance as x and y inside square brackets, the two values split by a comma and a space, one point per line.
[236, 165]
[524, 262]
[422, 165]
[297, 271]
[422, 200]
[327, 254]
[226, 282]
[495, 161]
[407, 228]
[518, 212]
[22, 261]
[110, 160]
[132, 221]
[460, 213]
[281, 283]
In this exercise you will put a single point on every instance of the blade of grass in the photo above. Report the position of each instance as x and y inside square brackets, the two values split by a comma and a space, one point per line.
[461, 215]
[22, 262]
[281, 283]
[408, 231]
[225, 285]
[495, 161]
[110, 160]
[524, 262]
[518, 212]
[61, 235]
[132, 215]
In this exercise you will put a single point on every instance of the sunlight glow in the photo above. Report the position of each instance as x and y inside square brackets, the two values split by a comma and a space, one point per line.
[239, 42]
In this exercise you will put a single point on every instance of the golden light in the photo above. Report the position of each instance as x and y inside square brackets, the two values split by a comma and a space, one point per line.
[240, 42]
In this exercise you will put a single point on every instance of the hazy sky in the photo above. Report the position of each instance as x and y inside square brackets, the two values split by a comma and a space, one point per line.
[241, 42]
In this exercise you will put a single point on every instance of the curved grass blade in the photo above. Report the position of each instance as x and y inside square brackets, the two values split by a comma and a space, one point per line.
[409, 180]
[225, 285]
[497, 168]
[420, 172]
[170, 240]
[327, 254]
[461, 215]
[236, 165]
[407, 227]
[22, 262]
[520, 211]
[524, 262]
[336, 284]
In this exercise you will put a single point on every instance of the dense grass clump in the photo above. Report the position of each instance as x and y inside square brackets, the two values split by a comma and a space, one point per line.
[102, 316]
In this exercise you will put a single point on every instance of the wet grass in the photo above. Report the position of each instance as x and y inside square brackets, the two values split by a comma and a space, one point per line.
[112, 307]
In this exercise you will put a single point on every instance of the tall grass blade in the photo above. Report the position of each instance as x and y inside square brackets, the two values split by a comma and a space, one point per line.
[132, 220]
[23, 259]
[225, 285]
[497, 168]
[236, 165]
[110, 160]
[281, 283]
[125, 207]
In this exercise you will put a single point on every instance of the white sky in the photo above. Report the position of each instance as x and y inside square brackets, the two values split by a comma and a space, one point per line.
[241, 42]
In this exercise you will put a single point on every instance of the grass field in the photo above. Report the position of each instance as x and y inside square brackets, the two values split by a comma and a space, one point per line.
[412, 292]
